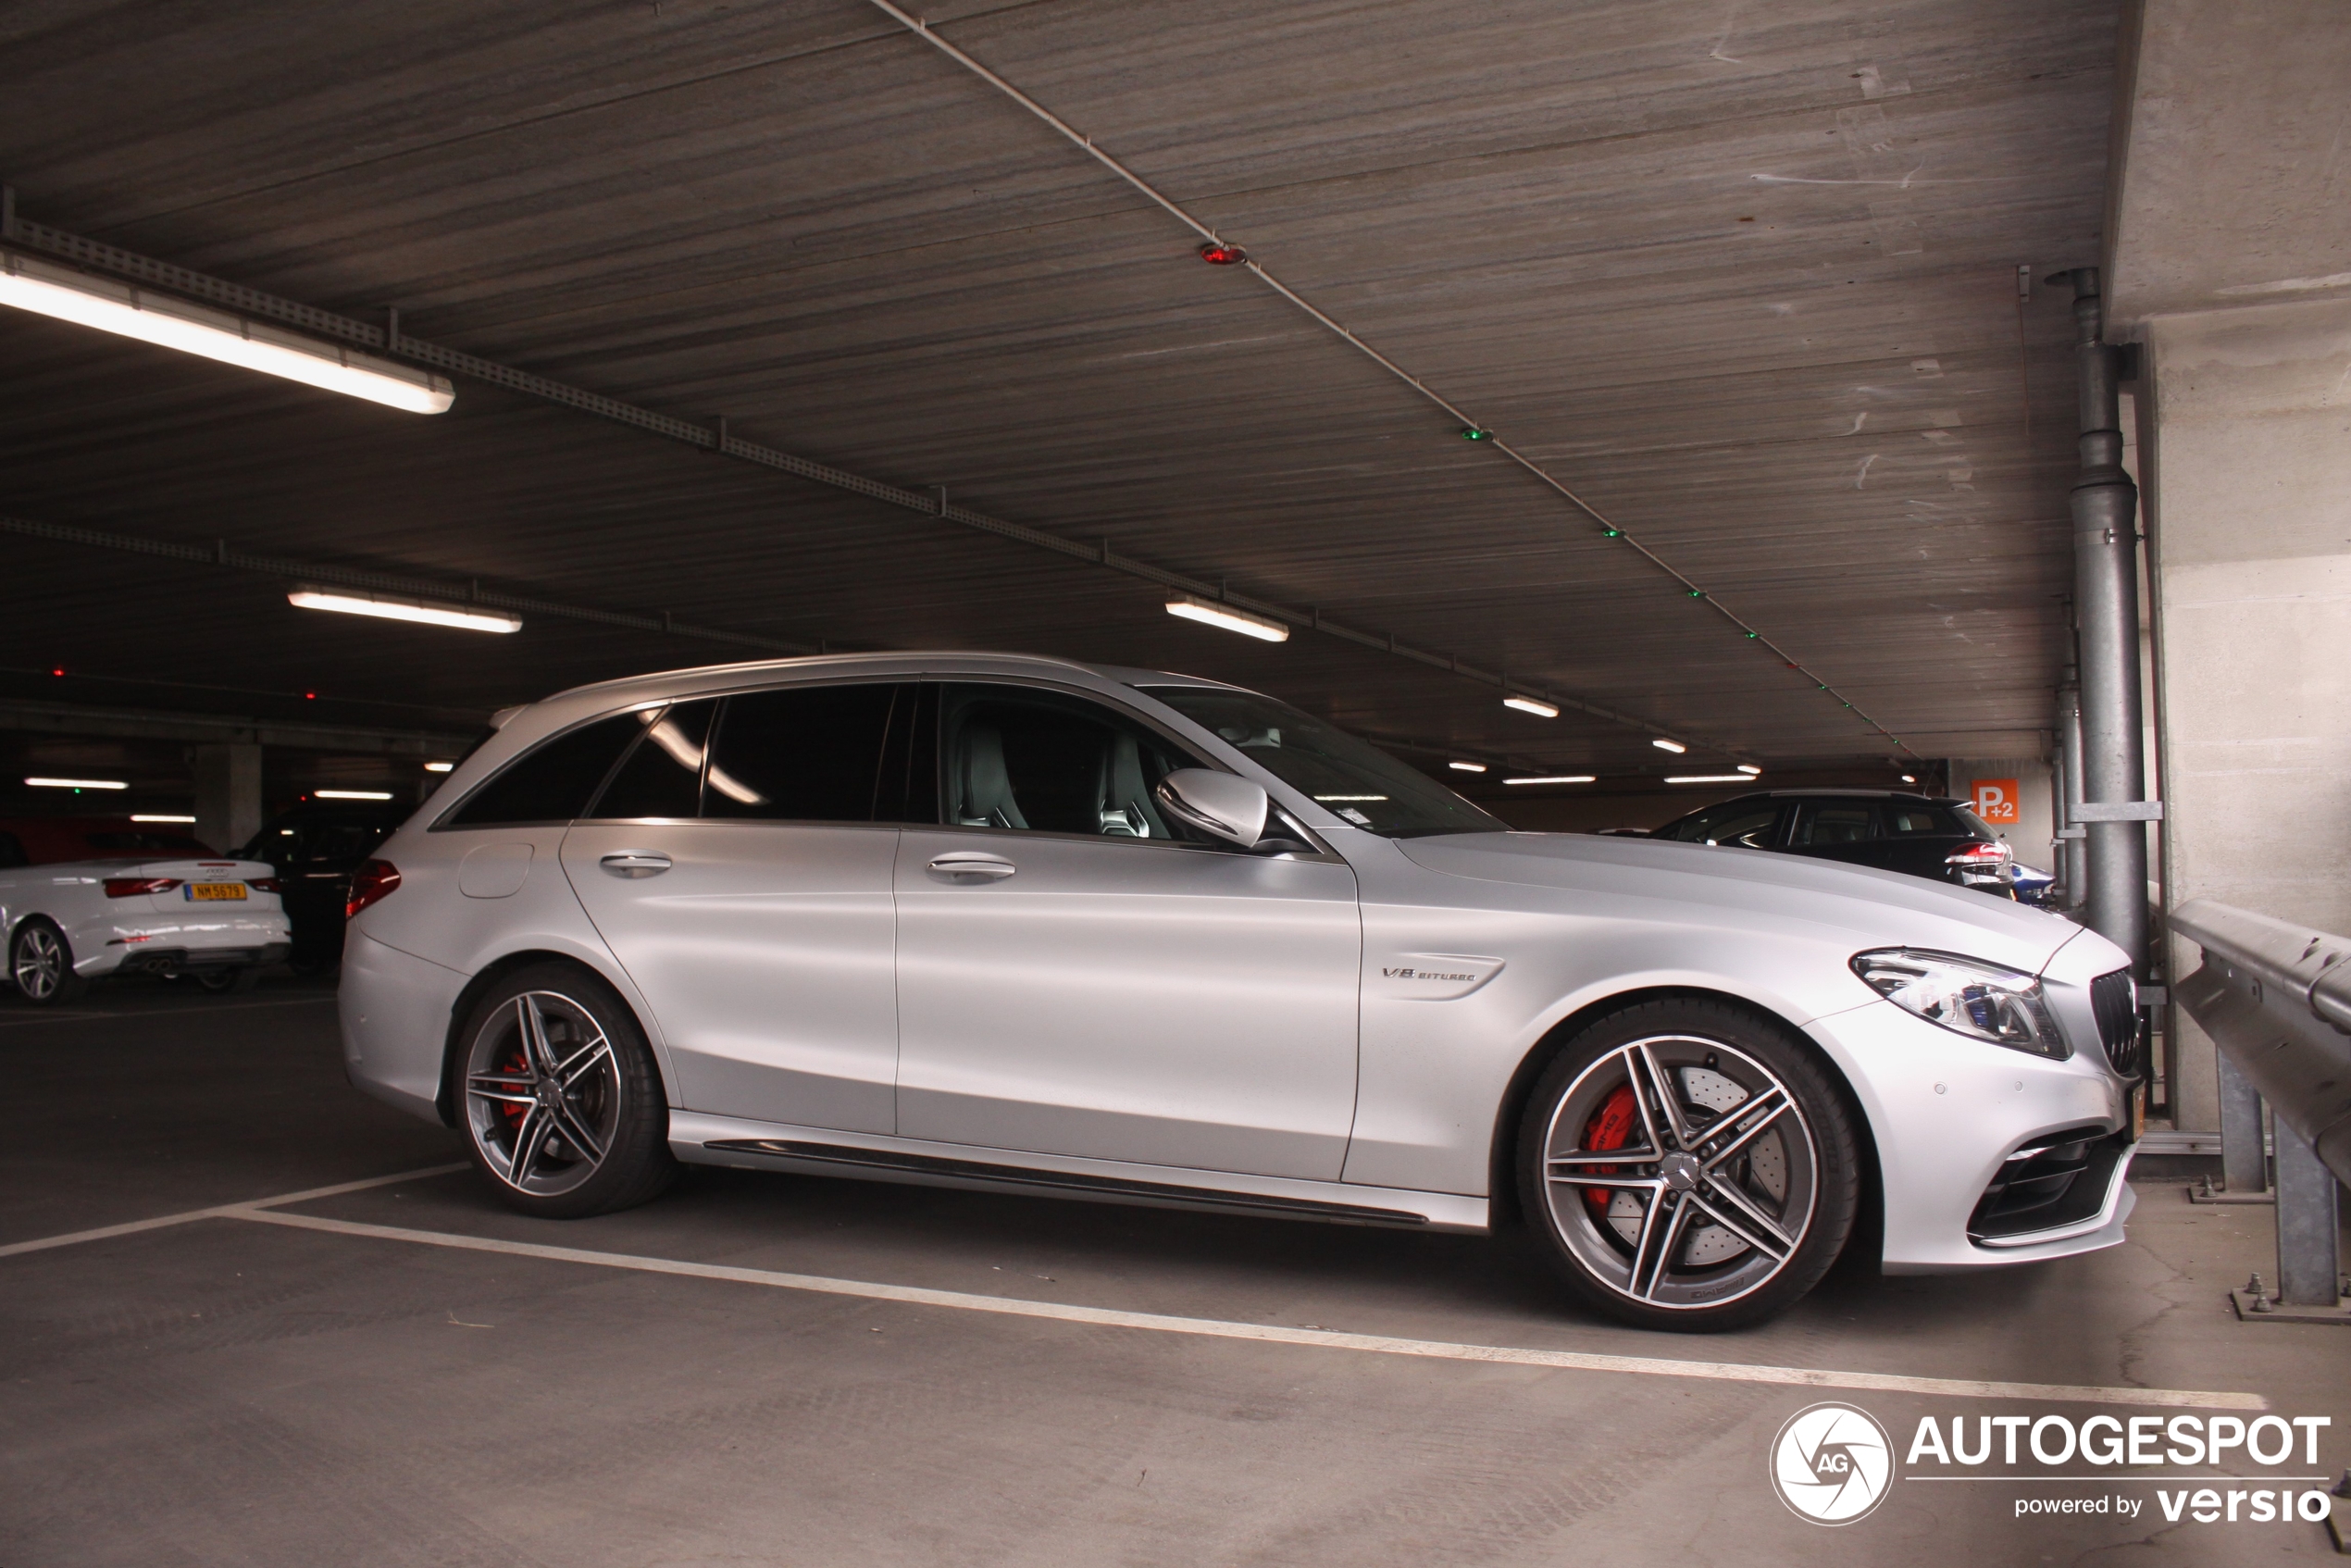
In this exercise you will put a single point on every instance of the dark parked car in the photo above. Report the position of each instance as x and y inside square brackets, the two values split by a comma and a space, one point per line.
[1920, 835]
[314, 848]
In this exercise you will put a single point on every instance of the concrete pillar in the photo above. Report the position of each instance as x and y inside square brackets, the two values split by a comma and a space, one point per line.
[228, 794]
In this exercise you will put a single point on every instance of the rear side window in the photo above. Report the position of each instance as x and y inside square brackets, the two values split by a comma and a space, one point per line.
[1834, 822]
[552, 783]
[662, 775]
[1744, 823]
[1906, 821]
[809, 754]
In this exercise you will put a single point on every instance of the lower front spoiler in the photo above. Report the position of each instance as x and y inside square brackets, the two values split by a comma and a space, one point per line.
[2087, 1233]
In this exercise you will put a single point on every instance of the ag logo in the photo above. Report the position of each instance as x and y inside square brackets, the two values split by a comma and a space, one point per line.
[1832, 1463]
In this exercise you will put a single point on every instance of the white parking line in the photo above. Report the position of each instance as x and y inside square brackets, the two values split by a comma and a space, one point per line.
[246, 1210]
[1437, 1350]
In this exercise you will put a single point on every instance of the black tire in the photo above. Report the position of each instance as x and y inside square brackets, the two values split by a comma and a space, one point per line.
[41, 964]
[1710, 1218]
[227, 982]
[581, 1109]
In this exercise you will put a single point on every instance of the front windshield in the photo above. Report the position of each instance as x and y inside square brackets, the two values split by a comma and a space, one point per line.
[1347, 776]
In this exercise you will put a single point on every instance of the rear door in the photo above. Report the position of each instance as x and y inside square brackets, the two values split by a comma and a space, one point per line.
[735, 867]
[1839, 828]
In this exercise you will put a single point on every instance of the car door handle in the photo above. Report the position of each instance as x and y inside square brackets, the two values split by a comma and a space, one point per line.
[985, 868]
[635, 863]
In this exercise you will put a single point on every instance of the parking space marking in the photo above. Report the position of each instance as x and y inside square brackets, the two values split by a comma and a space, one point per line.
[245, 1208]
[1436, 1350]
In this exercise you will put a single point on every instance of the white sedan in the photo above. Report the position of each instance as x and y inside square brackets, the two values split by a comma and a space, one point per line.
[217, 921]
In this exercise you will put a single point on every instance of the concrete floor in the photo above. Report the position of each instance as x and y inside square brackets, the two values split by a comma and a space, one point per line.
[226, 1391]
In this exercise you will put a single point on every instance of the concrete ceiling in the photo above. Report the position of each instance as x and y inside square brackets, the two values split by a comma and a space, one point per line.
[1743, 276]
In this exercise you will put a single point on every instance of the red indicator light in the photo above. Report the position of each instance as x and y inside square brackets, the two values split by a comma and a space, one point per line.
[310, 696]
[1217, 254]
[59, 670]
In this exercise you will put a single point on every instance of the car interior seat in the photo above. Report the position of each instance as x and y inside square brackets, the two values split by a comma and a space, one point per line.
[983, 781]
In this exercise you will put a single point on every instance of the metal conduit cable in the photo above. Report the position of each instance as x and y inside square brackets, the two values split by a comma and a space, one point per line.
[1484, 432]
[219, 554]
[390, 340]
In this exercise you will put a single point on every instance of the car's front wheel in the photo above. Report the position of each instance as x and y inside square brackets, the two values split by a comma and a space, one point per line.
[564, 1110]
[41, 963]
[1688, 1166]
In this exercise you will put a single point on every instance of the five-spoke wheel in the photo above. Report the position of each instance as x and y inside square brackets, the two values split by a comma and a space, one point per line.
[1688, 1166]
[562, 1107]
[41, 964]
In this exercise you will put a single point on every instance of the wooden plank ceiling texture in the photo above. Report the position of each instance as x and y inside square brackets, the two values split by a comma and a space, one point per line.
[1743, 275]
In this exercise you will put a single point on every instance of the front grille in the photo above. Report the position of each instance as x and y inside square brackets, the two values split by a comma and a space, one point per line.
[2114, 1002]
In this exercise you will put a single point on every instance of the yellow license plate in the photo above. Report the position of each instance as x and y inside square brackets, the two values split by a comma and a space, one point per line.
[200, 891]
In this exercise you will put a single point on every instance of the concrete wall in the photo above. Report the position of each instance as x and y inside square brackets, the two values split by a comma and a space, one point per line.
[2252, 570]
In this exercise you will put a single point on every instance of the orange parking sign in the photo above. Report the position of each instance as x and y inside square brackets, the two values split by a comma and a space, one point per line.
[1996, 798]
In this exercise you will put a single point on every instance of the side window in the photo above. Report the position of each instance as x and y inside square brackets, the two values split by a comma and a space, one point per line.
[1913, 821]
[1744, 823]
[1820, 823]
[809, 754]
[1012, 757]
[552, 783]
[662, 775]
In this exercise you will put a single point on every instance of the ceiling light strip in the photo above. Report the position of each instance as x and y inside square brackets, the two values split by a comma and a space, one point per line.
[390, 340]
[220, 554]
[1483, 432]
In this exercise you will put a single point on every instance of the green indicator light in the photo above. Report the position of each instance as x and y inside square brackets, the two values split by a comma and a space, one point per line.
[1697, 593]
[1753, 635]
[1612, 533]
[1473, 434]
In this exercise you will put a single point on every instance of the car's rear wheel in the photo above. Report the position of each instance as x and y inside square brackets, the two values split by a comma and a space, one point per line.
[41, 964]
[1688, 1166]
[564, 1110]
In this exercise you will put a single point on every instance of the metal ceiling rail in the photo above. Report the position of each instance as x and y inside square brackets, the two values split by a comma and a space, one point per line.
[219, 554]
[389, 338]
[1471, 427]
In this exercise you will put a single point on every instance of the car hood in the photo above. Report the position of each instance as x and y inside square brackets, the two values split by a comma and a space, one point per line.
[1857, 905]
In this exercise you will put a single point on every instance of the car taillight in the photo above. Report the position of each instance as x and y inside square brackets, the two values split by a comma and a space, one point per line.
[131, 887]
[263, 884]
[1979, 853]
[369, 884]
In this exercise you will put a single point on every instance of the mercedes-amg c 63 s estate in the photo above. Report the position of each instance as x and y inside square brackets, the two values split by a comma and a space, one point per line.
[1037, 926]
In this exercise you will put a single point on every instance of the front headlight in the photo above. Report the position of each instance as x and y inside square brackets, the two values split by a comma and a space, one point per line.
[1967, 996]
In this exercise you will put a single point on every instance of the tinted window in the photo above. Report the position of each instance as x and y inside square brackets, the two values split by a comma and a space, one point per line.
[145, 843]
[1833, 821]
[1903, 821]
[662, 775]
[800, 754]
[553, 782]
[1351, 778]
[1746, 823]
[1051, 764]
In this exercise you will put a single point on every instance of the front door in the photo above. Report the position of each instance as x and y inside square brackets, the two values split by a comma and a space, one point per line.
[1075, 978]
[734, 867]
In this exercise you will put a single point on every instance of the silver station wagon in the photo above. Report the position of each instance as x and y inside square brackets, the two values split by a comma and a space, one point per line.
[1032, 926]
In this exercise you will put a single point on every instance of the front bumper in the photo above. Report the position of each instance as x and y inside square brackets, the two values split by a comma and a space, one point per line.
[1947, 1113]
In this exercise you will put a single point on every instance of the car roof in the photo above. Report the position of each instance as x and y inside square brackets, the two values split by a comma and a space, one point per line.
[1815, 793]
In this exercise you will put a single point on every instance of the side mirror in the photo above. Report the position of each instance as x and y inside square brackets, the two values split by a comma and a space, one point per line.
[1229, 807]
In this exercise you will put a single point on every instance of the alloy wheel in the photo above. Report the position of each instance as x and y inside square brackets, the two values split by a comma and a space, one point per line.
[39, 962]
[1680, 1172]
[544, 1092]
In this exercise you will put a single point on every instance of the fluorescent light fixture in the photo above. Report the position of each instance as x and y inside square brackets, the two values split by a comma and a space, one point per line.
[1673, 746]
[1711, 778]
[352, 794]
[1749, 771]
[1535, 706]
[1208, 612]
[78, 784]
[388, 607]
[1351, 797]
[1466, 766]
[159, 817]
[1553, 779]
[439, 767]
[129, 311]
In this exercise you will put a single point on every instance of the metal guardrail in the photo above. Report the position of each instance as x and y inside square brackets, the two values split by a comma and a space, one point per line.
[2276, 998]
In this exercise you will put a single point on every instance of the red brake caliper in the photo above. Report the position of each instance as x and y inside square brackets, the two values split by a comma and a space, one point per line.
[1611, 1126]
[515, 1113]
